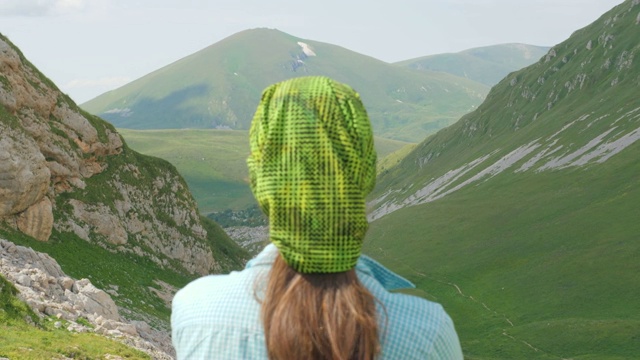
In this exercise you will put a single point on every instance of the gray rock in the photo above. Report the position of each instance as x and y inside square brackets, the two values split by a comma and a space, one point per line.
[128, 329]
[103, 222]
[66, 282]
[96, 301]
[8, 246]
[23, 280]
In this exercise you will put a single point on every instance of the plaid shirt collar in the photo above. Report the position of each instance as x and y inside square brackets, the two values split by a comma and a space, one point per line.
[365, 266]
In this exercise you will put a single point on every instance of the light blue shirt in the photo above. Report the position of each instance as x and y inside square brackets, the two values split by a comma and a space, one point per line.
[218, 316]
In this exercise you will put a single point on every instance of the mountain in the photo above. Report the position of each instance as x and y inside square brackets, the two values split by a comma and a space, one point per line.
[220, 87]
[486, 65]
[72, 188]
[522, 218]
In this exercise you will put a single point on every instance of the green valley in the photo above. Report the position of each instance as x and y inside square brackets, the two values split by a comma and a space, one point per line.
[213, 162]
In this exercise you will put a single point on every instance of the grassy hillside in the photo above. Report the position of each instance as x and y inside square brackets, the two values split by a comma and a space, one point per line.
[487, 65]
[213, 162]
[134, 275]
[219, 87]
[548, 260]
[522, 218]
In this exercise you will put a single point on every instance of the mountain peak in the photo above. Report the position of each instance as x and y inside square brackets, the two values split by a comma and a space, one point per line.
[219, 87]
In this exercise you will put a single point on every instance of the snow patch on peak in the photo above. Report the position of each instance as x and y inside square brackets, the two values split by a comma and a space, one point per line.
[306, 49]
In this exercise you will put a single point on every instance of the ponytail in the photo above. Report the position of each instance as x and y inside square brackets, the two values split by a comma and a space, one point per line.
[318, 316]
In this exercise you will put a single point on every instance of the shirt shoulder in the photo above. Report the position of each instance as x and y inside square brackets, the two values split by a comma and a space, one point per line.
[415, 328]
[217, 317]
[412, 327]
[206, 299]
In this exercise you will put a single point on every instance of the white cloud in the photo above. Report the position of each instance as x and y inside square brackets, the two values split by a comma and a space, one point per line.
[35, 8]
[111, 82]
[25, 7]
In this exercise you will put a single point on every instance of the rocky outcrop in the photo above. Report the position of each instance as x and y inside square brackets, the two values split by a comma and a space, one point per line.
[51, 156]
[51, 293]
[99, 218]
[46, 146]
[66, 175]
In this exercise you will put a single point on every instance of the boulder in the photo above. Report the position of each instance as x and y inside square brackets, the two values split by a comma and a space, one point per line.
[37, 220]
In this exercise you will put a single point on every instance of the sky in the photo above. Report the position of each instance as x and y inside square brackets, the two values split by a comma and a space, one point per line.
[88, 47]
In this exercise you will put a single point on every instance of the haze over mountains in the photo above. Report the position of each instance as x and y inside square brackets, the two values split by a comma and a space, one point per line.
[521, 218]
[219, 87]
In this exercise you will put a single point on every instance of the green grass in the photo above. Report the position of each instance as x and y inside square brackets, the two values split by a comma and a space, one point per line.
[394, 158]
[554, 254]
[26, 342]
[213, 162]
[12, 310]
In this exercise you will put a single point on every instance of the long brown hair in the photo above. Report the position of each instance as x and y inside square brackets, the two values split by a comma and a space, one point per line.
[318, 316]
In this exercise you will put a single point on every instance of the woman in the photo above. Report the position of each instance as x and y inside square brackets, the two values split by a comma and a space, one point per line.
[310, 294]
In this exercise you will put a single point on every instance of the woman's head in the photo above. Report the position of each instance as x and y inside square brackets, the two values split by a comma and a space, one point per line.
[312, 163]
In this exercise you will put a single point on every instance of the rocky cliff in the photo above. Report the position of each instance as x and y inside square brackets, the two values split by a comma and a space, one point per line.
[68, 173]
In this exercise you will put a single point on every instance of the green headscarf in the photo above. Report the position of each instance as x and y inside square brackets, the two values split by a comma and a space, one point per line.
[312, 163]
